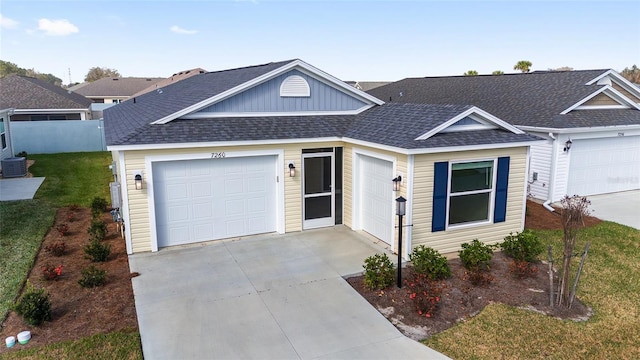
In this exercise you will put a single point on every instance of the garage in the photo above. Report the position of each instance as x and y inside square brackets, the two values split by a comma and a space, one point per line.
[605, 165]
[376, 197]
[209, 199]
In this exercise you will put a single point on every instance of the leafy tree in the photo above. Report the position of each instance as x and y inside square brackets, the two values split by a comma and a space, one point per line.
[471, 73]
[497, 72]
[632, 74]
[523, 65]
[9, 68]
[96, 73]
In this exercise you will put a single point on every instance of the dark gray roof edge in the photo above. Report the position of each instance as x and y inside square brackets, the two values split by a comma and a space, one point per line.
[70, 95]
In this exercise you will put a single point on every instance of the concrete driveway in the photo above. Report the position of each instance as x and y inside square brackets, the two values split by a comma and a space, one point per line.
[621, 207]
[264, 297]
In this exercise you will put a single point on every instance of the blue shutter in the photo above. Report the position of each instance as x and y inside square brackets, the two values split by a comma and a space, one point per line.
[502, 183]
[440, 182]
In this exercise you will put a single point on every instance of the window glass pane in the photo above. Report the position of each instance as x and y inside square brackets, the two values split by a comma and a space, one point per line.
[469, 208]
[1, 125]
[317, 207]
[471, 176]
[3, 139]
[317, 175]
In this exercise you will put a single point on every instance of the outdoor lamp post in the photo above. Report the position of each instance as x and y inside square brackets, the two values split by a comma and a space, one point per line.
[401, 207]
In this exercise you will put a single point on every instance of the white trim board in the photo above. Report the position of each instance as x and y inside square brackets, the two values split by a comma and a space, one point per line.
[476, 114]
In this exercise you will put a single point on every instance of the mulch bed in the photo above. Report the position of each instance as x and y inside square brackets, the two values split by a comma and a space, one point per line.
[461, 300]
[78, 312]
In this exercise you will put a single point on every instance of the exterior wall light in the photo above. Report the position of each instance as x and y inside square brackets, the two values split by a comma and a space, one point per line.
[396, 183]
[567, 145]
[292, 170]
[137, 180]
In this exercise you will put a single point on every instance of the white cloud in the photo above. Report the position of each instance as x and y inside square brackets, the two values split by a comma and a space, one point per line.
[61, 27]
[178, 30]
[7, 23]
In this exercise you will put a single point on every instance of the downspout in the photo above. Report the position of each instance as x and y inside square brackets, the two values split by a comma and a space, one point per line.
[552, 175]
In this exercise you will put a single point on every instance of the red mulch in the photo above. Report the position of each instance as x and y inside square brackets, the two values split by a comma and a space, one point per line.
[461, 300]
[77, 311]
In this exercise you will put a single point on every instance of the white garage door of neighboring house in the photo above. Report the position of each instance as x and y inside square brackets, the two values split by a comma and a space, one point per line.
[208, 199]
[376, 197]
[599, 166]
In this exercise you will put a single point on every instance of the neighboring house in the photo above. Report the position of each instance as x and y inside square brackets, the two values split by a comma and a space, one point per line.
[590, 118]
[113, 89]
[285, 147]
[6, 148]
[36, 100]
[179, 76]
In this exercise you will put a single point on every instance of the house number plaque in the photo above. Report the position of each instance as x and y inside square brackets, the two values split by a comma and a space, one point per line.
[217, 155]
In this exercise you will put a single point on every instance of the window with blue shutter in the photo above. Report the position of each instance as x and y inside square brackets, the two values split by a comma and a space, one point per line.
[463, 191]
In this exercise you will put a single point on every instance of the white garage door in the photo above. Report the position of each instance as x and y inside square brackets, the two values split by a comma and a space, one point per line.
[599, 166]
[208, 199]
[376, 197]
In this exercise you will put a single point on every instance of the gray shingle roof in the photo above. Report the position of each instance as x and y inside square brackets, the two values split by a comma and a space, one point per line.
[23, 92]
[124, 86]
[531, 99]
[132, 116]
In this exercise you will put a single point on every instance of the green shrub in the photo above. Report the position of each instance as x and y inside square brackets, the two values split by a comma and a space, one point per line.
[22, 154]
[476, 256]
[429, 262]
[34, 306]
[97, 229]
[92, 277]
[378, 271]
[425, 293]
[524, 246]
[98, 206]
[97, 251]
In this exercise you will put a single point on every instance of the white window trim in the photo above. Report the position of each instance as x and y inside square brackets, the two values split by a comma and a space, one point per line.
[492, 195]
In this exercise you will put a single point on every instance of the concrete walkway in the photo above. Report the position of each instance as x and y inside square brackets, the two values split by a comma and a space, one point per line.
[264, 297]
[621, 207]
[19, 189]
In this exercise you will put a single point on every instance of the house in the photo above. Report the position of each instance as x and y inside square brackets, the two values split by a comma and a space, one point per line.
[590, 120]
[113, 89]
[36, 100]
[285, 147]
[367, 85]
[180, 75]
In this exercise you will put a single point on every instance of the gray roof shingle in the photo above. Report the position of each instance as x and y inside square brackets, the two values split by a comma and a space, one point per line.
[111, 86]
[23, 92]
[530, 99]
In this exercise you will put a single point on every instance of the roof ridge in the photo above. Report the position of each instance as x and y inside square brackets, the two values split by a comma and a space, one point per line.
[537, 72]
[251, 66]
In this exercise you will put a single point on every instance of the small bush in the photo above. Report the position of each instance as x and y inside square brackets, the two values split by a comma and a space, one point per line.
[428, 261]
[98, 206]
[97, 251]
[97, 229]
[478, 277]
[51, 272]
[22, 154]
[63, 229]
[92, 277]
[74, 207]
[425, 293]
[524, 246]
[522, 269]
[476, 256]
[71, 217]
[378, 271]
[58, 248]
[34, 306]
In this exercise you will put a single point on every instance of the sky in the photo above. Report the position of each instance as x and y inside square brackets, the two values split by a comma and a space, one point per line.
[351, 40]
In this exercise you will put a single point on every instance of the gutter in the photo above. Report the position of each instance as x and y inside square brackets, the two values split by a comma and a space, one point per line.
[552, 175]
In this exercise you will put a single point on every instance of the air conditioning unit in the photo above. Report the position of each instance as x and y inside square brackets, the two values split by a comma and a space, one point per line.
[14, 167]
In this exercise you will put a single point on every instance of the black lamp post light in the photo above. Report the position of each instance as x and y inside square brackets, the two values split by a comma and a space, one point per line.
[401, 209]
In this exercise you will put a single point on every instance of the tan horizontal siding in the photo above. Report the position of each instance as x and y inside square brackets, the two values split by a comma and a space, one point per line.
[347, 186]
[450, 240]
[625, 92]
[139, 202]
[601, 99]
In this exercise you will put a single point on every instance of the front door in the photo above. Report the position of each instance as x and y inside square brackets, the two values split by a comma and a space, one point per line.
[318, 190]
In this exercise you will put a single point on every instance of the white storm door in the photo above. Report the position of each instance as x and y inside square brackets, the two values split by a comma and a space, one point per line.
[317, 190]
[599, 166]
[210, 199]
[376, 197]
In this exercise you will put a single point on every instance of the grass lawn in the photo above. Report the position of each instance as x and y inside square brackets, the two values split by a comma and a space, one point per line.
[609, 284]
[116, 345]
[71, 178]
